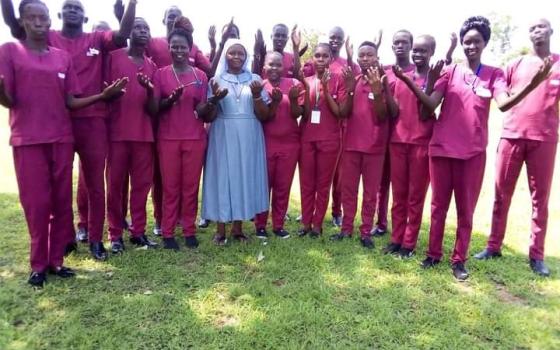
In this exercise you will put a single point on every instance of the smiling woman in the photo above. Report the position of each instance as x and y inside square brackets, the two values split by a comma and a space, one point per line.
[235, 180]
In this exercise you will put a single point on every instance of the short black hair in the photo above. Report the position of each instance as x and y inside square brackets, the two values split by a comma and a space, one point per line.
[480, 24]
[368, 43]
[280, 25]
[183, 33]
[430, 39]
[24, 3]
[325, 45]
[407, 32]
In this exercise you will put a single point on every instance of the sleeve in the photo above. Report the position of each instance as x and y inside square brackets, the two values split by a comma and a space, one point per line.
[338, 90]
[442, 83]
[71, 82]
[107, 40]
[500, 84]
[7, 68]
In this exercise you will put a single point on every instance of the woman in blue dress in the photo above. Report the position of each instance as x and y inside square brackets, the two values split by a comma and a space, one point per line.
[235, 178]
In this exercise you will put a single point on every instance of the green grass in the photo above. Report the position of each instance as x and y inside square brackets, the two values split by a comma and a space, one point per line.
[303, 294]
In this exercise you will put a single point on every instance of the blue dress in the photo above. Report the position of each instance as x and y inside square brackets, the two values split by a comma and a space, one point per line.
[235, 185]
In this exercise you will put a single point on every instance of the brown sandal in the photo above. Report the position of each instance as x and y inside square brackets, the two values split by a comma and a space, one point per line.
[241, 237]
[219, 240]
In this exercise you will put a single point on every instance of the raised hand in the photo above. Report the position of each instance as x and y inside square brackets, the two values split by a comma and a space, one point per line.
[543, 73]
[217, 91]
[303, 50]
[276, 95]
[374, 79]
[378, 38]
[293, 93]
[349, 48]
[256, 88]
[349, 79]
[454, 41]
[145, 81]
[434, 73]
[227, 33]
[175, 95]
[296, 38]
[260, 47]
[118, 10]
[212, 36]
[116, 89]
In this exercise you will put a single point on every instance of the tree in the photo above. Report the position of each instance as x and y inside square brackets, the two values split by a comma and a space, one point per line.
[502, 32]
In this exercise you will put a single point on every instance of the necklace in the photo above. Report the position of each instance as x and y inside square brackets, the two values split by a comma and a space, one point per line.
[196, 81]
[237, 93]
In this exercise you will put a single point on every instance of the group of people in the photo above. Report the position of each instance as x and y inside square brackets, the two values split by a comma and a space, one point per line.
[167, 112]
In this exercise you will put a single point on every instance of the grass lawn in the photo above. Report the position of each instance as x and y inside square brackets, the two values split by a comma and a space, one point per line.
[296, 293]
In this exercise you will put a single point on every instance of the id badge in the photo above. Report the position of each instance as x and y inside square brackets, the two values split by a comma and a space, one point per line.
[315, 116]
[371, 96]
[483, 92]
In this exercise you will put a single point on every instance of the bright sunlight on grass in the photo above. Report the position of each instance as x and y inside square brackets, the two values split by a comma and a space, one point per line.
[293, 294]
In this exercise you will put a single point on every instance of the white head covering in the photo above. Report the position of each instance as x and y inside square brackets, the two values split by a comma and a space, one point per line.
[222, 65]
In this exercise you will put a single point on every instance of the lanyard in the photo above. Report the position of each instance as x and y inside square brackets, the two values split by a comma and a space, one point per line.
[478, 69]
[317, 92]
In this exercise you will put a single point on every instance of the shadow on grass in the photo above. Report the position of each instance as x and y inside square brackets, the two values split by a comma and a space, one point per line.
[296, 293]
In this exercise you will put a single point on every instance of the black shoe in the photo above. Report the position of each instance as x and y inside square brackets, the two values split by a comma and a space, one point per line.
[281, 233]
[302, 232]
[81, 235]
[459, 271]
[70, 247]
[191, 242]
[314, 234]
[391, 248]
[339, 236]
[261, 233]
[367, 242]
[170, 243]
[203, 223]
[429, 263]
[63, 272]
[143, 241]
[117, 247]
[487, 254]
[539, 267]
[157, 229]
[98, 251]
[377, 232]
[337, 220]
[406, 253]
[37, 279]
